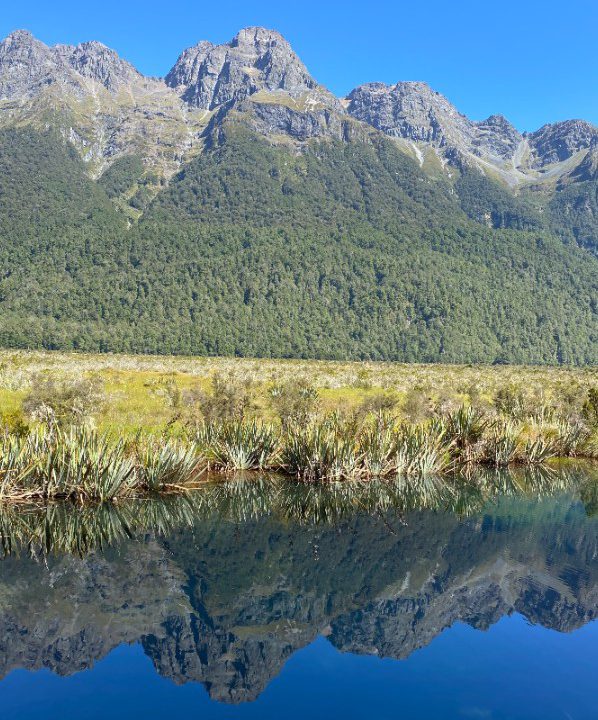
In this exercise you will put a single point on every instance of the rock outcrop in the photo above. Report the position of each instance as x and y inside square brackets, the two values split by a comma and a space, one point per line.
[413, 111]
[559, 141]
[255, 60]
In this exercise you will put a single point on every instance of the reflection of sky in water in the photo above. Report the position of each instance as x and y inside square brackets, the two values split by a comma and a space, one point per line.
[252, 608]
[514, 671]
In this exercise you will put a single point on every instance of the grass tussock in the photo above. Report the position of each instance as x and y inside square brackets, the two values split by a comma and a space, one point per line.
[239, 445]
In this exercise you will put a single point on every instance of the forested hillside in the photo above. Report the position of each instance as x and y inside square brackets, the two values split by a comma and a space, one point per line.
[343, 250]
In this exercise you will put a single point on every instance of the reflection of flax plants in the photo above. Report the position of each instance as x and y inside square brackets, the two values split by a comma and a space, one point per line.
[63, 527]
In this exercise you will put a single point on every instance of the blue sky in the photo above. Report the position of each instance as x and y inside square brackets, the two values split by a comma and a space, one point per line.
[534, 62]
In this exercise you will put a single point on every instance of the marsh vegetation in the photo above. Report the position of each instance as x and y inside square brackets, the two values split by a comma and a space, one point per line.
[67, 434]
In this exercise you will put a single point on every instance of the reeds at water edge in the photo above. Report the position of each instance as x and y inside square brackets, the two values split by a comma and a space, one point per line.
[81, 465]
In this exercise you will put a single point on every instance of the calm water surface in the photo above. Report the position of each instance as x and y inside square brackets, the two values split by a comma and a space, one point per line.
[260, 599]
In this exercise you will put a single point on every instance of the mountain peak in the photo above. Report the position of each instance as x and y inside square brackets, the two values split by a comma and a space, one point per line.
[408, 109]
[98, 62]
[414, 111]
[415, 86]
[558, 141]
[20, 36]
[26, 65]
[19, 41]
[257, 36]
[497, 120]
[207, 76]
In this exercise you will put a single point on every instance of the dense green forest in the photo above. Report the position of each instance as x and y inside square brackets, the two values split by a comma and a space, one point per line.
[343, 250]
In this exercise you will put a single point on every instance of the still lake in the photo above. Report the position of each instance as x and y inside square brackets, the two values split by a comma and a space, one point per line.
[260, 598]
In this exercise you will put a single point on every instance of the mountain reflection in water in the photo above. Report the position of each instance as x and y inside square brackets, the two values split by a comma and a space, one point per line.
[222, 587]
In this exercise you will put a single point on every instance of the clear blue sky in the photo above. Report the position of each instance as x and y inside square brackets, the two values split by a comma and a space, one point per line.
[534, 62]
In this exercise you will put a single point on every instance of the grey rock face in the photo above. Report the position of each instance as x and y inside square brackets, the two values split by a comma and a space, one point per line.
[319, 122]
[96, 100]
[26, 66]
[409, 110]
[496, 137]
[559, 141]
[412, 110]
[588, 167]
[207, 76]
[108, 109]
[98, 62]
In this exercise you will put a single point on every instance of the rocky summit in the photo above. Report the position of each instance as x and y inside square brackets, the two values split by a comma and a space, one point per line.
[207, 76]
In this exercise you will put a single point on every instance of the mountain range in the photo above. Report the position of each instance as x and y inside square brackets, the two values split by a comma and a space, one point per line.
[236, 206]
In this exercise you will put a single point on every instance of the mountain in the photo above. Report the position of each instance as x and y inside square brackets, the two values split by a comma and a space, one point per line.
[413, 111]
[237, 207]
[96, 101]
[256, 60]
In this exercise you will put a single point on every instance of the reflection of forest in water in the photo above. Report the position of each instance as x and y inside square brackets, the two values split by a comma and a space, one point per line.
[223, 585]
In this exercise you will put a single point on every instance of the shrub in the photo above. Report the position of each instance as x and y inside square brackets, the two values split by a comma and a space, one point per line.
[295, 402]
[317, 452]
[464, 429]
[590, 408]
[168, 464]
[228, 399]
[239, 445]
[420, 451]
[380, 402]
[571, 439]
[502, 444]
[62, 402]
[417, 405]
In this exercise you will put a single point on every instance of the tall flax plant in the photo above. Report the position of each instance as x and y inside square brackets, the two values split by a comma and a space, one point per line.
[377, 444]
[572, 439]
[421, 450]
[319, 451]
[502, 444]
[15, 463]
[538, 450]
[76, 464]
[168, 465]
[86, 465]
[238, 445]
[464, 429]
